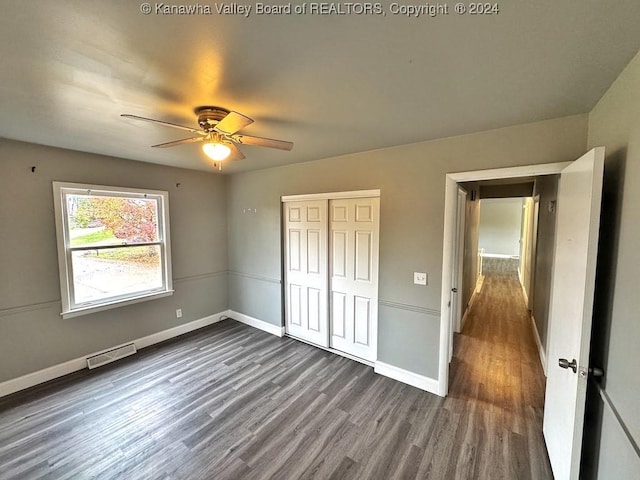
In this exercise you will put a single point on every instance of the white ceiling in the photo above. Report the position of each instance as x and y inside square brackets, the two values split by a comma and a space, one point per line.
[333, 84]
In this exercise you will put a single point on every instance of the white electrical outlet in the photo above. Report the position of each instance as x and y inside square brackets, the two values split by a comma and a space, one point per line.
[179, 313]
[419, 278]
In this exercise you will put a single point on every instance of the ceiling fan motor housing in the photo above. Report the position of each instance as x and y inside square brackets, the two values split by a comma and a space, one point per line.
[208, 117]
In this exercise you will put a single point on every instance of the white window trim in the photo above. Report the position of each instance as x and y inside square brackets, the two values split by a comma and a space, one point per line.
[70, 310]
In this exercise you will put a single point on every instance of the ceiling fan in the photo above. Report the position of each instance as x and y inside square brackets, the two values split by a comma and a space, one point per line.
[219, 131]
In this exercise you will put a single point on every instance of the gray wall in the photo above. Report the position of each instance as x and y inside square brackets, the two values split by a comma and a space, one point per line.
[33, 336]
[500, 223]
[547, 188]
[411, 179]
[615, 123]
[509, 190]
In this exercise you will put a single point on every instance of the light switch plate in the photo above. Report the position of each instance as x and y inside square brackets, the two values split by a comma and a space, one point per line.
[419, 278]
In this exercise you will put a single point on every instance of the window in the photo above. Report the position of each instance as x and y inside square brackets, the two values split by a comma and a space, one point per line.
[113, 246]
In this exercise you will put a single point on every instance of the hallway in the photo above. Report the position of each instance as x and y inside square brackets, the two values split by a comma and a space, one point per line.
[497, 381]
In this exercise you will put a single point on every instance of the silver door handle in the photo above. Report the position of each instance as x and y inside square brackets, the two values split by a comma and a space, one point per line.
[564, 363]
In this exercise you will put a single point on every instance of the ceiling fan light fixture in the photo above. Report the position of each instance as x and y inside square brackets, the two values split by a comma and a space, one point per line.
[218, 134]
[216, 151]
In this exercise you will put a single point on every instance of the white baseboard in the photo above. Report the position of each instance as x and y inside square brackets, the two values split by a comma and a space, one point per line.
[255, 323]
[16, 384]
[525, 296]
[474, 295]
[31, 379]
[463, 320]
[405, 376]
[177, 331]
[541, 352]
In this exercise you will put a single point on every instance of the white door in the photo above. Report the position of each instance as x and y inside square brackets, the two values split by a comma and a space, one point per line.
[534, 251]
[574, 267]
[457, 269]
[306, 276]
[526, 247]
[354, 225]
[458, 261]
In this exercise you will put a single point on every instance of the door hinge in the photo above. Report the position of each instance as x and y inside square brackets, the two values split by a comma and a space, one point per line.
[594, 372]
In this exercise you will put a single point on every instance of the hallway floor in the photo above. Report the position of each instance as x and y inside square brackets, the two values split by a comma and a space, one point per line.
[497, 382]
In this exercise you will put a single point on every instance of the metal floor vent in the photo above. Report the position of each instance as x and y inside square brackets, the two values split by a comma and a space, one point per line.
[111, 355]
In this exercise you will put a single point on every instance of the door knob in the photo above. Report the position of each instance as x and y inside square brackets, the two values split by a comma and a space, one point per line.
[564, 363]
[454, 290]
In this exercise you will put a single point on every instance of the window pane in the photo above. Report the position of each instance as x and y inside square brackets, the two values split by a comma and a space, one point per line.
[104, 220]
[110, 272]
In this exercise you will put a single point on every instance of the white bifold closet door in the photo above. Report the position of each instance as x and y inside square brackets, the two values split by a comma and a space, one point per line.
[331, 268]
[353, 247]
[307, 279]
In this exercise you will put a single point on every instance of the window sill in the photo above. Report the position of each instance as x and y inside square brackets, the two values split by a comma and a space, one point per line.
[118, 303]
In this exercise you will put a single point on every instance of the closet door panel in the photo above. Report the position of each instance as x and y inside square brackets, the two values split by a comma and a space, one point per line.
[354, 232]
[306, 270]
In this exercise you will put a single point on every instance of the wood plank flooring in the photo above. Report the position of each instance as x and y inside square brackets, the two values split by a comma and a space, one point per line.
[232, 402]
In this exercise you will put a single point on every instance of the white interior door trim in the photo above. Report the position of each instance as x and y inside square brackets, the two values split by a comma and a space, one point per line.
[331, 195]
[509, 172]
[450, 204]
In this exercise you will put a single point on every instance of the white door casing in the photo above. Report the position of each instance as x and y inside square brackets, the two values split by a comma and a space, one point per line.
[573, 282]
[353, 246]
[306, 272]
[450, 202]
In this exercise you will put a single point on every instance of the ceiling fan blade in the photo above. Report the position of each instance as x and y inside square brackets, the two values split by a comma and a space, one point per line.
[179, 142]
[235, 154]
[233, 122]
[167, 124]
[263, 142]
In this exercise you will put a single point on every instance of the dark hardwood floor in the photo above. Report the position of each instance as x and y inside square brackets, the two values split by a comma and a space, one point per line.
[497, 381]
[232, 402]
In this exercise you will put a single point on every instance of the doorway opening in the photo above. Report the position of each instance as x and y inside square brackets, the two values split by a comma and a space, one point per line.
[500, 235]
[493, 357]
[570, 303]
[502, 242]
[454, 276]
